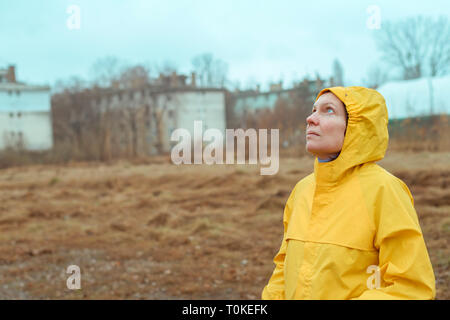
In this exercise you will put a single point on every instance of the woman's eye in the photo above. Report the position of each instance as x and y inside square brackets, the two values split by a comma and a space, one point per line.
[329, 109]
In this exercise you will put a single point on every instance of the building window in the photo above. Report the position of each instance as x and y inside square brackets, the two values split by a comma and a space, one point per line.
[11, 115]
[19, 114]
[18, 92]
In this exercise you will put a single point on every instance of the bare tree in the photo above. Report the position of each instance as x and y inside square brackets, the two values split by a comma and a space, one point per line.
[202, 66]
[158, 109]
[417, 45]
[375, 77]
[439, 61]
[288, 115]
[166, 68]
[210, 72]
[75, 122]
[251, 83]
[219, 73]
[73, 84]
[105, 71]
[338, 73]
[134, 77]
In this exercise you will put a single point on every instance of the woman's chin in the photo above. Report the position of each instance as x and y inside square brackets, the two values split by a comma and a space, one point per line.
[310, 149]
[316, 152]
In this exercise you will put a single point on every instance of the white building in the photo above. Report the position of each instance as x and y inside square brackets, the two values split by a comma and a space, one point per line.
[253, 101]
[418, 97]
[179, 105]
[206, 105]
[250, 102]
[25, 116]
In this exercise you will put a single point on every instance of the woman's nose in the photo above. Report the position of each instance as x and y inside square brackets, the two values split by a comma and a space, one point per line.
[312, 119]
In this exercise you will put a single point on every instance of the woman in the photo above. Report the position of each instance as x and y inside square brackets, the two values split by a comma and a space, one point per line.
[350, 228]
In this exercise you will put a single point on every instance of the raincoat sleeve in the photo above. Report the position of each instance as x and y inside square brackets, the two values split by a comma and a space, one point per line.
[404, 265]
[274, 290]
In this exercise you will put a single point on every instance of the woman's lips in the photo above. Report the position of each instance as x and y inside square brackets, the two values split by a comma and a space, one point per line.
[312, 134]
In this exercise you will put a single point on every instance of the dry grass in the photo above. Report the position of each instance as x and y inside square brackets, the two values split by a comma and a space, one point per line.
[153, 230]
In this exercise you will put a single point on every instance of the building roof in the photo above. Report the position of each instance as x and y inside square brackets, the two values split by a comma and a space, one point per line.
[6, 86]
[153, 90]
[418, 97]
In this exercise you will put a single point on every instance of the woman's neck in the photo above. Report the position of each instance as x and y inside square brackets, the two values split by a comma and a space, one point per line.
[328, 158]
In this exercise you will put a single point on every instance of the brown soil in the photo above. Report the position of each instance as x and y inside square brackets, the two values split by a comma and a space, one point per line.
[153, 230]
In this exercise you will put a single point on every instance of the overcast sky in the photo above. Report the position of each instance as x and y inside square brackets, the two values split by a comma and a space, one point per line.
[260, 41]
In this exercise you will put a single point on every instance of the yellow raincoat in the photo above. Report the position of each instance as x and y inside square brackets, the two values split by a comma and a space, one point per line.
[350, 228]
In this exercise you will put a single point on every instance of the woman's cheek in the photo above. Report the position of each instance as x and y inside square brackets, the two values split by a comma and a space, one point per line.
[339, 127]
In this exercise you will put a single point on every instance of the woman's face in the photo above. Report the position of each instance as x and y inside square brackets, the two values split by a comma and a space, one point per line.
[326, 126]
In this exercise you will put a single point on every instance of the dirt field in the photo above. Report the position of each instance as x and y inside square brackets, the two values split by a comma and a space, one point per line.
[153, 230]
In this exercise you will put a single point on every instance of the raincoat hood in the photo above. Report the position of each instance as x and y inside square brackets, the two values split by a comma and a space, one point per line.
[366, 138]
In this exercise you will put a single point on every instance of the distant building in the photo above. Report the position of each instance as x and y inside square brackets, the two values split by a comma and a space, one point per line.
[252, 101]
[135, 119]
[161, 111]
[25, 116]
[418, 97]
